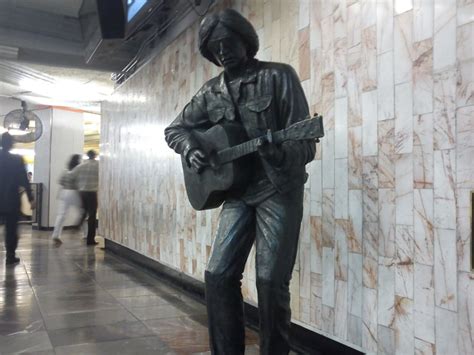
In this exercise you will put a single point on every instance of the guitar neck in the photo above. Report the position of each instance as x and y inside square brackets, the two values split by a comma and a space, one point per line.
[232, 153]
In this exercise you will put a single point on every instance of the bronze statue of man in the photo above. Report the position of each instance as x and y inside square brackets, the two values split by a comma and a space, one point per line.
[260, 96]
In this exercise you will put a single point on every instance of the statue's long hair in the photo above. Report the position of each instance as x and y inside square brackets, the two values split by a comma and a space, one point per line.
[233, 21]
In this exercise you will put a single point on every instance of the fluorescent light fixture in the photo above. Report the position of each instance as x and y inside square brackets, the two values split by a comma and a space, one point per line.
[7, 52]
[18, 132]
[23, 152]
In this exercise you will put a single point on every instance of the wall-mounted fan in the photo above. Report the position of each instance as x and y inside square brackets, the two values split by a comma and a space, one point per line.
[25, 126]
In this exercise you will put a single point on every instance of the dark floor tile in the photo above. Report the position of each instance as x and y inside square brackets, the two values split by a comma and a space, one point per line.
[79, 305]
[91, 318]
[156, 312]
[8, 327]
[142, 301]
[131, 291]
[97, 334]
[30, 342]
[143, 346]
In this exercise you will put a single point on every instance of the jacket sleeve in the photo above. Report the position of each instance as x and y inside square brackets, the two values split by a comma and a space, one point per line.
[23, 178]
[293, 107]
[178, 134]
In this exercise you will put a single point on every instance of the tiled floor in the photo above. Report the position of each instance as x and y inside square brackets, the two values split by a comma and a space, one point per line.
[82, 300]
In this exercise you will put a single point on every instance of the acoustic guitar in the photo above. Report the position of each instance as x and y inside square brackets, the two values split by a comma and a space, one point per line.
[227, 148]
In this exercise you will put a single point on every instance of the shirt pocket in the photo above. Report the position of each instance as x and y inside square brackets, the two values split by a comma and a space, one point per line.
[258, 110]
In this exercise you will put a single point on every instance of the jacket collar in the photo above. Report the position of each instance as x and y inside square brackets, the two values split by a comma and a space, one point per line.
[250, 76]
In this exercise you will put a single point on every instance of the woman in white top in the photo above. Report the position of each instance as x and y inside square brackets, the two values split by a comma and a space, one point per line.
[68, 197]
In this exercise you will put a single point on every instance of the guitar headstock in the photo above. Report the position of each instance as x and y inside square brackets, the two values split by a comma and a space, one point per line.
[311, 128]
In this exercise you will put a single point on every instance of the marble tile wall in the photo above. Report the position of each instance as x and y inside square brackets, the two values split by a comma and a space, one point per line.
[384, 253]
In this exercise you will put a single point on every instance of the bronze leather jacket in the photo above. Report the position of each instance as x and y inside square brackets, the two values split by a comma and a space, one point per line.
[270, 97]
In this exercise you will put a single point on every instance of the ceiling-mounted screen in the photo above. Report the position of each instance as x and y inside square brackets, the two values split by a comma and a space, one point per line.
[134, 7]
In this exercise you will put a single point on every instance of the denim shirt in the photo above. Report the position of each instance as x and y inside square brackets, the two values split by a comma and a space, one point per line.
[270, 97]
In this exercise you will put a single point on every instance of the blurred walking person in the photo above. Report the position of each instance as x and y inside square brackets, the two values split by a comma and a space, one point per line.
[12, 177]
[86, 177]
[68, 197]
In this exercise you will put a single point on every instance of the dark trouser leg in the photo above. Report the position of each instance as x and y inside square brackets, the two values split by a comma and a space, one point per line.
[89, 200]
[235, 236]
[92, 221]
[11, 233]
[278, 224]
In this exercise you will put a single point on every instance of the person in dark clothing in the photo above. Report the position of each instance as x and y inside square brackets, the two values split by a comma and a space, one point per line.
[260, 96]
[12, 177]
[86, 178]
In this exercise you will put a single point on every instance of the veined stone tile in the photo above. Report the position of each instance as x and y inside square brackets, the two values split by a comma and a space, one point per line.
[369, 123]
[423, 15]
[328, 277]
[304, 54]
[465, 147]
[404, 118]
[328, 319]
[424, 303]
[403, 326]
[305, 271]
[446, 331]
[445, 269]
[316, 244]
[370, 256]
[369, 58]
[385, 26]
[340, 310]
[444, 110]
[403, 47]
[423, 226]
[466, 313]
[354, 89]
[370, 206]
[316, 311]
[341, 250]
[340, 68]
[385, 86]
[423, 151]
[463, 234]
[355, 284]
[444, 189]
[465, 84]
[386, 222]
[386, 340]
[424, 348]
[355, 158]
[423, 77]
[340, 17]
[327, 44]
[404, 189]
[370, 172]
[316, 187]
[341, 189]
[369, 319]
[340, 129]
[386, 142]
[353, 25]
[444, 47]
[386, 294]
[328, 159]
[354, 233]
[354, 330]
[368, 13]
[404, 262]
[315, 25]
[328, 227]
[303, 13]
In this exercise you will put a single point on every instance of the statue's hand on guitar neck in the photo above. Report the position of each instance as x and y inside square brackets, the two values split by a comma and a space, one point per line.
[270, 151]
[197, 159]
